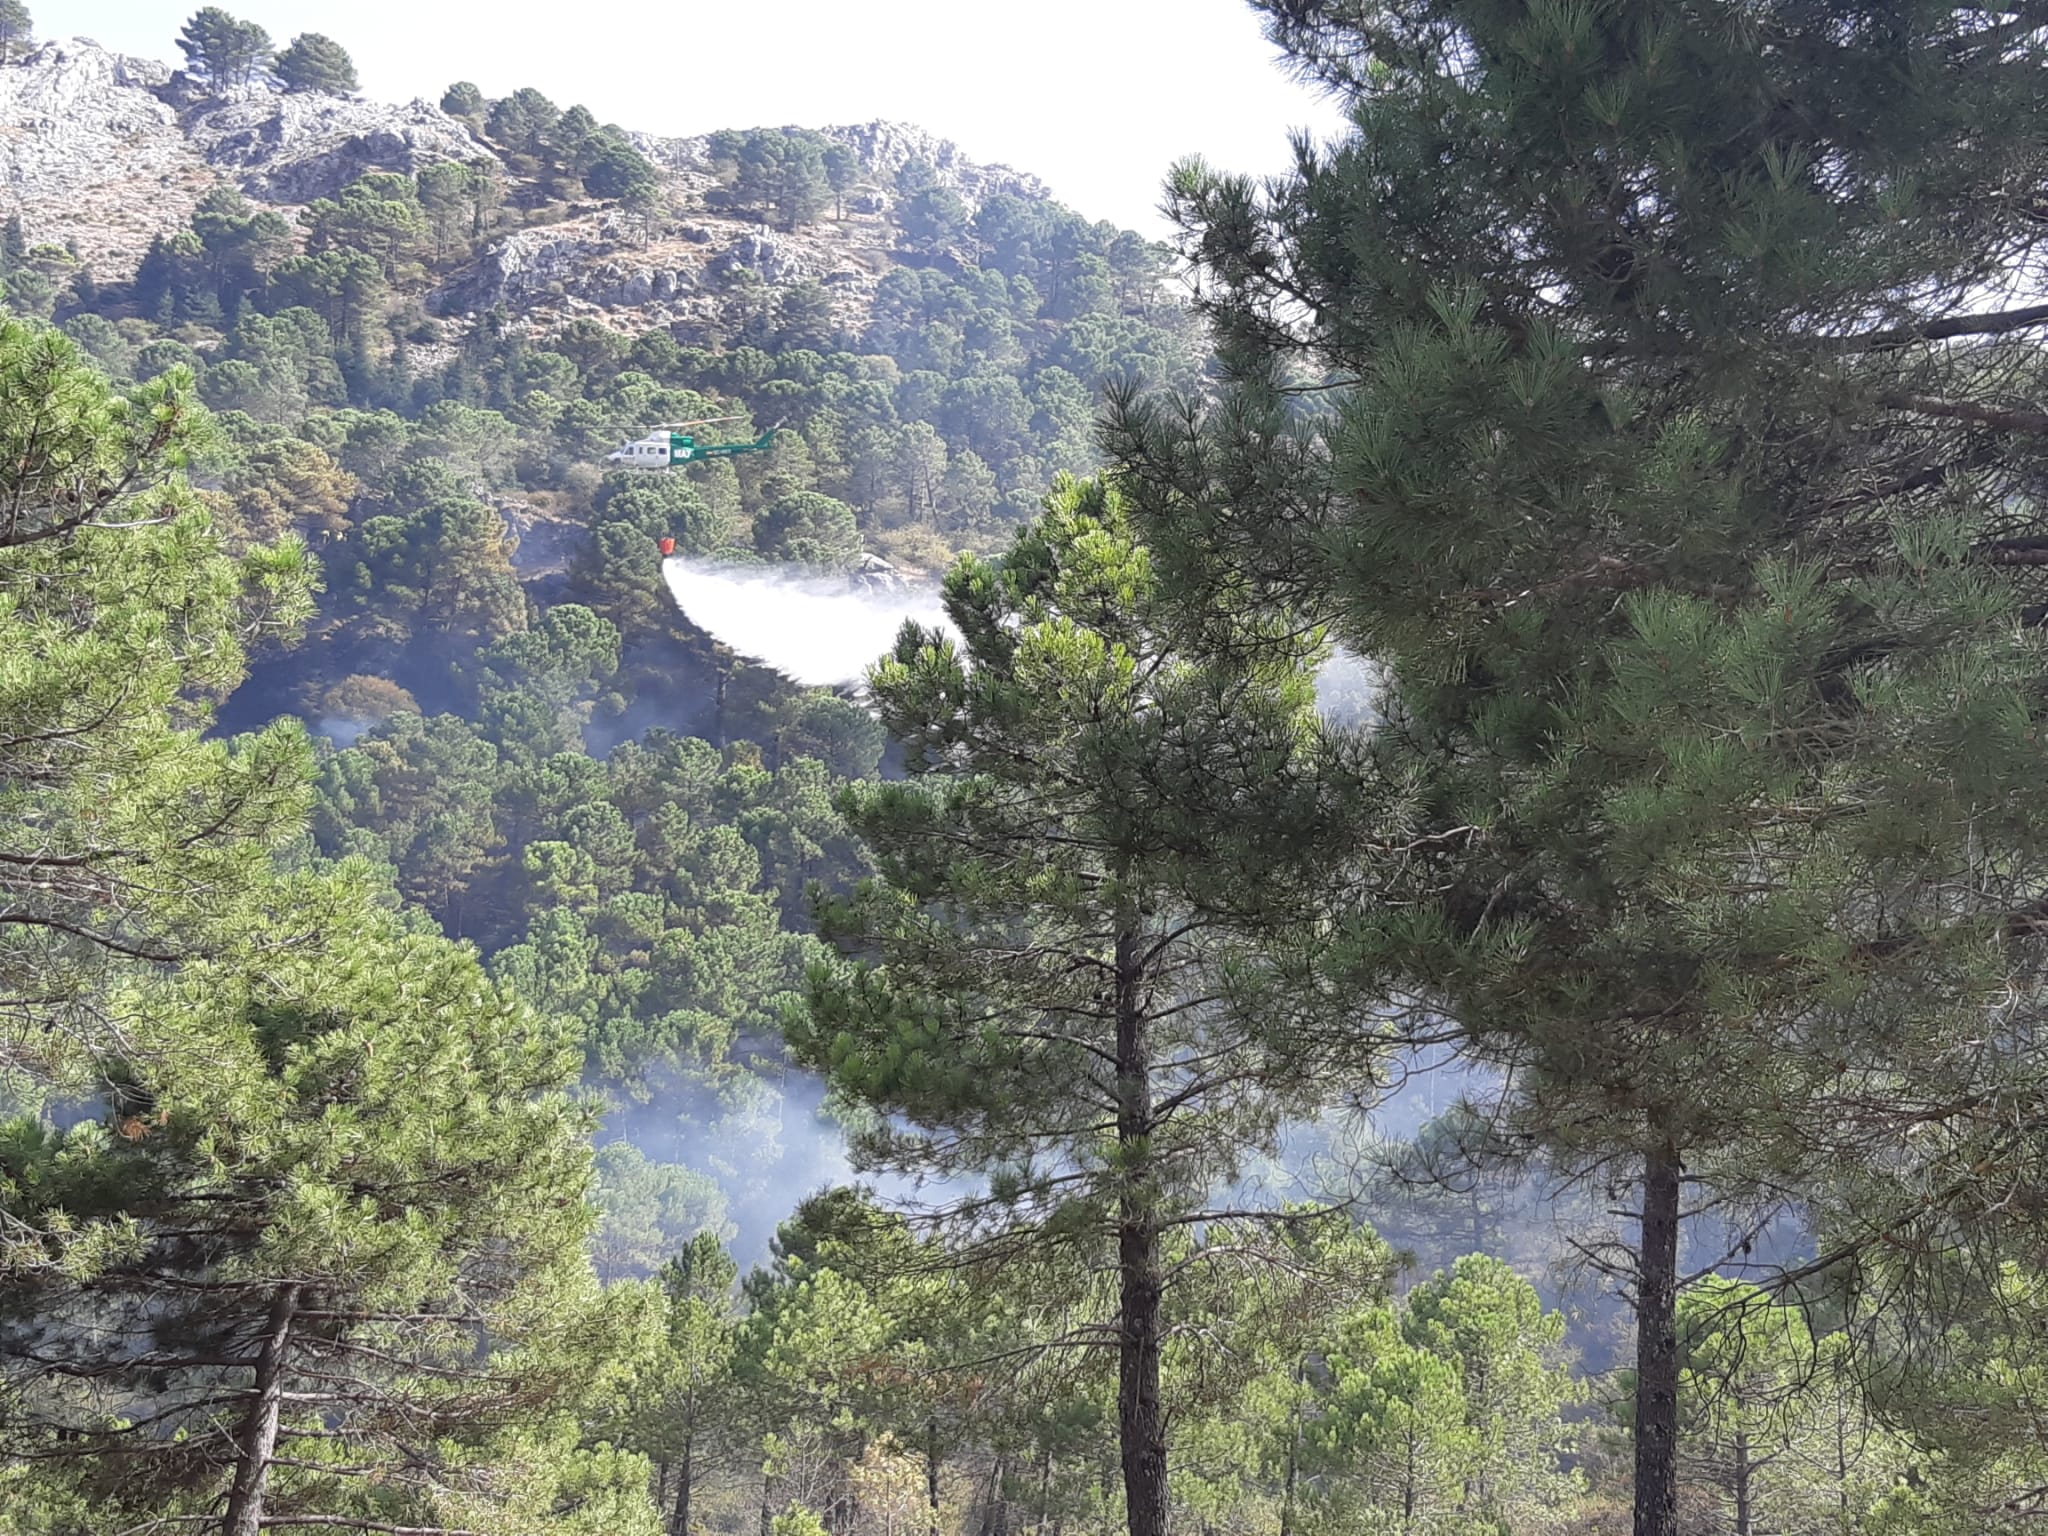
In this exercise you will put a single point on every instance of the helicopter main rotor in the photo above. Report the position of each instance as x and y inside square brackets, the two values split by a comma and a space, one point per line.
[701, 421]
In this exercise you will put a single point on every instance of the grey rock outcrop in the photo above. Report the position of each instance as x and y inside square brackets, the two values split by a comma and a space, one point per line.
[874, 574]
[106, 153]
[109, 151]
[883, 149]
[778, 261]
[293, 147]
[89, 154]
[532, 264]
[614, 285]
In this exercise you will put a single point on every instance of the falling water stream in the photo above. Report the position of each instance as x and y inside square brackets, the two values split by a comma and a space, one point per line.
[819, 630]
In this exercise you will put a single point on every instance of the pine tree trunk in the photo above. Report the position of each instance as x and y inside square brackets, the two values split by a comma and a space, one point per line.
[931, 1476]
[1293, 1454]
[1141, 1419]
[1841, 1455]
[679, 1517]
[256, 1439]
[1657, 1340]
[991, 1507]
[1745, 1519]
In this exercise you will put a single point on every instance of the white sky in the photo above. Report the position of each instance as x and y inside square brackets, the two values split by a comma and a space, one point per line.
[1096, 97]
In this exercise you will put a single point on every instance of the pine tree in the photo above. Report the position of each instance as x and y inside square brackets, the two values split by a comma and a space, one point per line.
[842, 174]
[1063, 1000]
[354, 1190]
[933, 220]
[1490, 1320]
[807, 528]
[923, 1385]
[17, 29]
[1775, 1417]
[222, 49]
[1249, 1364]
[521, 122]
[464, 100]
[681, 1410]
[314, 62]
[612, 168]
[128, 841]
[325, 1160]
[1669, 477]
[781, 174]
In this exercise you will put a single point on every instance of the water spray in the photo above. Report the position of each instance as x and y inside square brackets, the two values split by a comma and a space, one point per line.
[817, 629]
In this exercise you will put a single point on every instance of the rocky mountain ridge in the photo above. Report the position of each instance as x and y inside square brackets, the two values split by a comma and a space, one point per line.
[104, 152]
[883, 148]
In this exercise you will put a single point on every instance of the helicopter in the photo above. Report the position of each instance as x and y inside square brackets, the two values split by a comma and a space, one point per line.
[667, 445]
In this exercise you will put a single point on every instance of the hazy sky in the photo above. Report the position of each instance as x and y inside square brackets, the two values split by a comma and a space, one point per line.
[1097, 97]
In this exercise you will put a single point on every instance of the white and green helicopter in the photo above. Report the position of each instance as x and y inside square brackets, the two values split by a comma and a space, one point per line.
[667, 445]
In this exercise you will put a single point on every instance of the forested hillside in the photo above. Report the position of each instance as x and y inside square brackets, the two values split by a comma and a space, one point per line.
[482, 1058]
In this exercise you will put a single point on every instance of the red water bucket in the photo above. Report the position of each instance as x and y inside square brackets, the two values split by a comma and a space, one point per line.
[668, 546]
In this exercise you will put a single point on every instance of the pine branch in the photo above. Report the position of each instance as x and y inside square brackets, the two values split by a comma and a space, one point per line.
[1905, 484]
[1994, 323]
[92, 936]
[1998, 323]
[2034, 423]
[2031, 550]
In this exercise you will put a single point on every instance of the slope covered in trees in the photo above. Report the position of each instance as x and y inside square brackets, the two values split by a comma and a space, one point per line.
[417, 941]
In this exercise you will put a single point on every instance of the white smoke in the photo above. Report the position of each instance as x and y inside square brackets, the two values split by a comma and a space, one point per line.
[1347, 691]
[820, 631]
[342, 730]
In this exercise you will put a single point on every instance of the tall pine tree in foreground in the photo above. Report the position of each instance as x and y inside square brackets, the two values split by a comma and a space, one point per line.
[305, 1246]
[1056, 993]
[129, 842]
[1679, 469]
[353, 1289]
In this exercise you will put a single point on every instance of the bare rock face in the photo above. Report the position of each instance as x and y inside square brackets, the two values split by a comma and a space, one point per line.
[293, 147]
[677, 278]
[88, 154]
[778, 261]
[885, 148]
[874, 574]
[523, 267]
[614, 285]
[107, 151]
